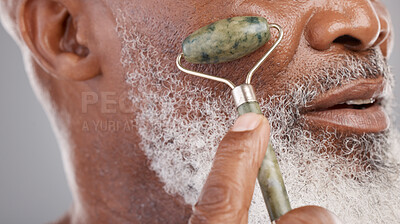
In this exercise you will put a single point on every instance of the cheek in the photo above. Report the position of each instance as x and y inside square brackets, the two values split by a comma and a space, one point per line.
[169, 25]
[291, 16]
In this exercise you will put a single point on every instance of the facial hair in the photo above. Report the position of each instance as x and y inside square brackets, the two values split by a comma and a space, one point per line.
[182, 123]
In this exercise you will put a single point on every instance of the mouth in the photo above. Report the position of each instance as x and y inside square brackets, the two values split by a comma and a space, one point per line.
[354, 108]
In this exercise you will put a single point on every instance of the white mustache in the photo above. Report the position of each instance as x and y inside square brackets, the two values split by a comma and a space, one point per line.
[337, 71]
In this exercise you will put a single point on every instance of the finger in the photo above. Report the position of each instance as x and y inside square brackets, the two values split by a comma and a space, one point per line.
[309, 215]
[227, 193]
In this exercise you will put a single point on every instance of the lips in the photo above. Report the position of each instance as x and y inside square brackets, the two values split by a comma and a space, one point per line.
[353, 108]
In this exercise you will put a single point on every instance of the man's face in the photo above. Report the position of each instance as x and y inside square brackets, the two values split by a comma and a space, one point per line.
[322, 39]
[325, 90]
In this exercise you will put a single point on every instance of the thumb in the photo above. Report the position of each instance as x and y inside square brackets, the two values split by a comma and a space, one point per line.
[227, 193]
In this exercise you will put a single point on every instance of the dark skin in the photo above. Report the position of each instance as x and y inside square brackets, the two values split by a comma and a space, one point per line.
[71, 47]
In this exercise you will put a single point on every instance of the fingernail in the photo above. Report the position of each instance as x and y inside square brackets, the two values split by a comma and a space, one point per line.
[247, 122]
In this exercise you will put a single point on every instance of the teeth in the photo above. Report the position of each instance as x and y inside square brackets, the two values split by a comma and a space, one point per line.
[360, 102]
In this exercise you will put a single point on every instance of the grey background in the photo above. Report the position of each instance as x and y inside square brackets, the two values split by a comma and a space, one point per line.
[33, 187]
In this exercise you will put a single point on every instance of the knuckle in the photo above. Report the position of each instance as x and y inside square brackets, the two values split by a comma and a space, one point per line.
[216, 198]
[217, 205]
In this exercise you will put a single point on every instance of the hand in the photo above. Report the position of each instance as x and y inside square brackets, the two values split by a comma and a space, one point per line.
[309, 215]
[227, 193]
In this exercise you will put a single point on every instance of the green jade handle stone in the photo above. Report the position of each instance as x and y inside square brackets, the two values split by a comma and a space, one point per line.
[226, 40]
[269, 175]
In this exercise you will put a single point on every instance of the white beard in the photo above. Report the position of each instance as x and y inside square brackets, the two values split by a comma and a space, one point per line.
[181, 125]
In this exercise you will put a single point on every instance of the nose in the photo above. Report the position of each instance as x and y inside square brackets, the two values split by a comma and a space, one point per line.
[354, 24]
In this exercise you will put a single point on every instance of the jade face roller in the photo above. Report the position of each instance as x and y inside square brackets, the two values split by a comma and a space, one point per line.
[228, 40]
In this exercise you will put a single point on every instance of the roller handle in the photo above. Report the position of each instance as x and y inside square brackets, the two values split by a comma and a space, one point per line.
[269, 175]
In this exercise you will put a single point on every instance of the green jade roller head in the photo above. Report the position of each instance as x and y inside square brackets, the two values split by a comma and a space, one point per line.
[227, 40]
